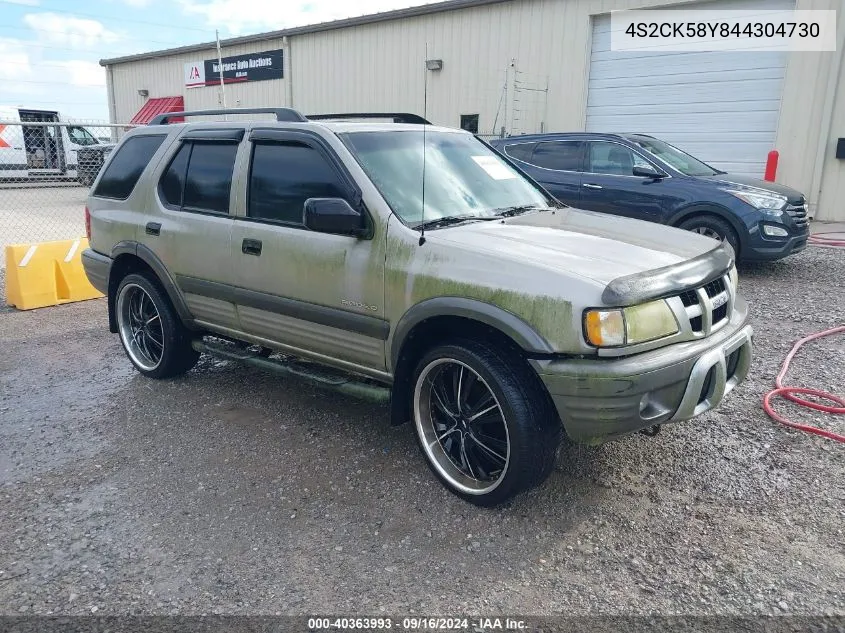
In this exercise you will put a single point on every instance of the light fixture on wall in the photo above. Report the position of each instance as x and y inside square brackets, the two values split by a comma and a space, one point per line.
[434, 64]
[144, 93]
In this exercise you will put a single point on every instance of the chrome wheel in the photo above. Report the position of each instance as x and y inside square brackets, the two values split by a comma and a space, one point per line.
[461, 426]
[708, 232]
[140, 327]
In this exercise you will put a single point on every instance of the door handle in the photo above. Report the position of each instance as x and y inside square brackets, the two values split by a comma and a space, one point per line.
[251, 247]
[590, 185]
[153, 228]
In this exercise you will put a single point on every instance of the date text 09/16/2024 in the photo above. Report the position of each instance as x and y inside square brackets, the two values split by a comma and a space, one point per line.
[416, 624]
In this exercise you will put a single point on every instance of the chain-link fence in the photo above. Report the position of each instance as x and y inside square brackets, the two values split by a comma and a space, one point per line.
[46, 168]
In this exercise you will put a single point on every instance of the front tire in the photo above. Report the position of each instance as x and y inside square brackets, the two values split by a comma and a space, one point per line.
[153, 336]
[484, 423]
[713, 227]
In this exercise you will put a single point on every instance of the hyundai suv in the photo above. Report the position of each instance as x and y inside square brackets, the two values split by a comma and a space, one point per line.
[639, 176]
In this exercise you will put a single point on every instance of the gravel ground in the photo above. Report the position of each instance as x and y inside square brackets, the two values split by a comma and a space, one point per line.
[232, 491]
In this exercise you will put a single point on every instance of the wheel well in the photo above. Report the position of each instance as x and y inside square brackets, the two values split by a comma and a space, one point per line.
[697, 213]
[434, 331]
[123, 265]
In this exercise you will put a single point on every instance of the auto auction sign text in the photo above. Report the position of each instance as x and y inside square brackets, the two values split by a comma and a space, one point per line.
[235, 69]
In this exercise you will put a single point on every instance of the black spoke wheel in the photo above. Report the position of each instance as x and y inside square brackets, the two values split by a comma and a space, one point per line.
[483, 422]
[154, 338]
[461, 426]
[140, 327]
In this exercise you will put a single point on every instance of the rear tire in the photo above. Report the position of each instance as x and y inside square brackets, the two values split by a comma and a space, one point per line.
[153, 336]
[712, 227]
[484, 422]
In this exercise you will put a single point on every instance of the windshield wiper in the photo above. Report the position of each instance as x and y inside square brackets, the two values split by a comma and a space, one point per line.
[449, 220]
[506, 212]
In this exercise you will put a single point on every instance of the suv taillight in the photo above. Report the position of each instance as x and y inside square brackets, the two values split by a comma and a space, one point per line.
[87, 224]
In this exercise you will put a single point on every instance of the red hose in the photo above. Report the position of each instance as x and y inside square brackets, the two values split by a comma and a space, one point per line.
[790, 393]
[820, 239]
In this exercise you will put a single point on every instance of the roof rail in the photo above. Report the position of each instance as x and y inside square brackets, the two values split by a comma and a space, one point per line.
[282, 114]
[398, 117]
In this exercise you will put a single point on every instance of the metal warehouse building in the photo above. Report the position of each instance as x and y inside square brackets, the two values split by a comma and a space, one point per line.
[522, 66]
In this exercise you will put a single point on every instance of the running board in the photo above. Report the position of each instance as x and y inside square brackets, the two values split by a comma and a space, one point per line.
[342, 383]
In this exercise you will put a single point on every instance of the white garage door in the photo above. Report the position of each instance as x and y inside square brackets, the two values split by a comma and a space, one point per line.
[721, 107]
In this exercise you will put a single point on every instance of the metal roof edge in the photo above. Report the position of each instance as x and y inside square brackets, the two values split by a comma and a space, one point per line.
[372, 18]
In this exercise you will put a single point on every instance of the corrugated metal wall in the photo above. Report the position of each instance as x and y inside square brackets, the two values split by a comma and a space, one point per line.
[497, 60]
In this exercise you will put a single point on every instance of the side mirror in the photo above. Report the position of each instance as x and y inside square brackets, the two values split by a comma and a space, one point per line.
[333, 215]
[648, 172]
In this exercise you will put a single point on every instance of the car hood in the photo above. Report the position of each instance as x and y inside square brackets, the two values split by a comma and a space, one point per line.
[792, 195]
[600, 247]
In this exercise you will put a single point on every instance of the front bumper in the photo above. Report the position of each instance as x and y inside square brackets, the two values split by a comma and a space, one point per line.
[599, 399]
[766, 249]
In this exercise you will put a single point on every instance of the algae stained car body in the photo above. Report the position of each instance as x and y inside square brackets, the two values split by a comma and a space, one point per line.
[490, 316]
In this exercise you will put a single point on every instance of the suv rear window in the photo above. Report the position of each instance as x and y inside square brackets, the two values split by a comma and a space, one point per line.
[127, 165]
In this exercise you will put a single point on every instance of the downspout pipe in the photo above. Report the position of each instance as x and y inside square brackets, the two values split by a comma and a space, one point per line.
[288, 71]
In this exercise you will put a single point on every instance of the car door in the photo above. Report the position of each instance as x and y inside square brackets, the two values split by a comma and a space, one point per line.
[316, 293]
[192, 229]
[557, 166]
[608, 184]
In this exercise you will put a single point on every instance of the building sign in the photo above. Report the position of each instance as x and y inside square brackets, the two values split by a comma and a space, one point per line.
[236, 69]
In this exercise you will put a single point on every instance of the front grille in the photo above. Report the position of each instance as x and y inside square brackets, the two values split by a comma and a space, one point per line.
[715, 287]
[798, 212]
[714, 294]
[689, 298]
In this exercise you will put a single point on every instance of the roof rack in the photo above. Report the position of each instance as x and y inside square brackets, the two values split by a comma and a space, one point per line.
[282, 114]
[398, 117]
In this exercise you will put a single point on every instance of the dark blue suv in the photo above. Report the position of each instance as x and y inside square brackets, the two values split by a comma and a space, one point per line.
[642, 177]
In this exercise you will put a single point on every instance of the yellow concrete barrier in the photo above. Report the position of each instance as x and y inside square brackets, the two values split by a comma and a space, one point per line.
[47, 274]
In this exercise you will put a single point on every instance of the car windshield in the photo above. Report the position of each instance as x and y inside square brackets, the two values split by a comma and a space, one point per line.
[81, 136]
[681, 161]
[463, 178]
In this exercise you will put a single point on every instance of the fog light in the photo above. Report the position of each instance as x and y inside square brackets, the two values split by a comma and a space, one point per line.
[644, 402]
[774, 231]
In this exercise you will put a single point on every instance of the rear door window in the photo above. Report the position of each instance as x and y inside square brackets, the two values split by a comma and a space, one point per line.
[127, 165]
[172, 184]
[199, 177]
[209, 178]
[558, 155]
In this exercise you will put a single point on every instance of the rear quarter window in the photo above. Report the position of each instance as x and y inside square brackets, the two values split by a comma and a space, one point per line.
[520, 151]
[127, 165]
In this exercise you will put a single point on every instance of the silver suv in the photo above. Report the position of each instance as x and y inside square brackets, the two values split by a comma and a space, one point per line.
[413, 264]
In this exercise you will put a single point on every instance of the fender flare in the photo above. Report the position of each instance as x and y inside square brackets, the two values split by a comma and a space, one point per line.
[506, 322]
[145, 254]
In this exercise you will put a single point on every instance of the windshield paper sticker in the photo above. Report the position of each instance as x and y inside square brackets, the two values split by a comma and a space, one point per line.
[494, 168]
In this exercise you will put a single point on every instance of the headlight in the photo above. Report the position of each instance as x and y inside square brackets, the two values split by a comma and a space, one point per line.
[767, 202]
[734, 278]
[628, 326]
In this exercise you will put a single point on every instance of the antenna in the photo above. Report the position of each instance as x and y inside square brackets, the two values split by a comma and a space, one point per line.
[425, 116]
[220, 68]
